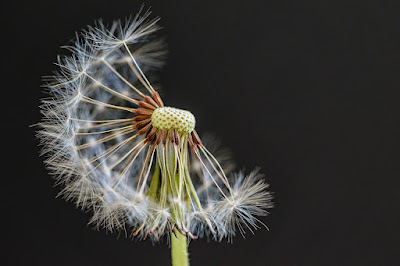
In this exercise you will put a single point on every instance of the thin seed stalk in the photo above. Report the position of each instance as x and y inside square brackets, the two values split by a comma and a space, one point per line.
[170, 184]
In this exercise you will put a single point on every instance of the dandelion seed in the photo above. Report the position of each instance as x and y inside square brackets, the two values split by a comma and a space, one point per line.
[137, 164]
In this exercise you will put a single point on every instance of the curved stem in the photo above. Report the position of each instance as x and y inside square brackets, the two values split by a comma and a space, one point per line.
[179, 250]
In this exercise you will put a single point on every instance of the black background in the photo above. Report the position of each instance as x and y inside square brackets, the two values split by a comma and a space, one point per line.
[308, 90]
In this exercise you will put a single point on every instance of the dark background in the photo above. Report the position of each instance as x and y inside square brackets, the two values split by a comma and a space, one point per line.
[308, 90]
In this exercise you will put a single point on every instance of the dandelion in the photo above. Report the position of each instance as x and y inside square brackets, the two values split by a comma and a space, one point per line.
[139, 165]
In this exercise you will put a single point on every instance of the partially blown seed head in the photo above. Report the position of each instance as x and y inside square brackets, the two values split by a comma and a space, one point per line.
[136, 164]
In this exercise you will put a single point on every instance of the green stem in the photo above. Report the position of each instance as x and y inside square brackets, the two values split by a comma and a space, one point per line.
[154, 185]
[179, 250]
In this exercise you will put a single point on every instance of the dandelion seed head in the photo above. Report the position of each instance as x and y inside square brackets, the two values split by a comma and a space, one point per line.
[135, 163]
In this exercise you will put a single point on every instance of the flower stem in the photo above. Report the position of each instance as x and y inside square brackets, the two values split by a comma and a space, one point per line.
[179, 250]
